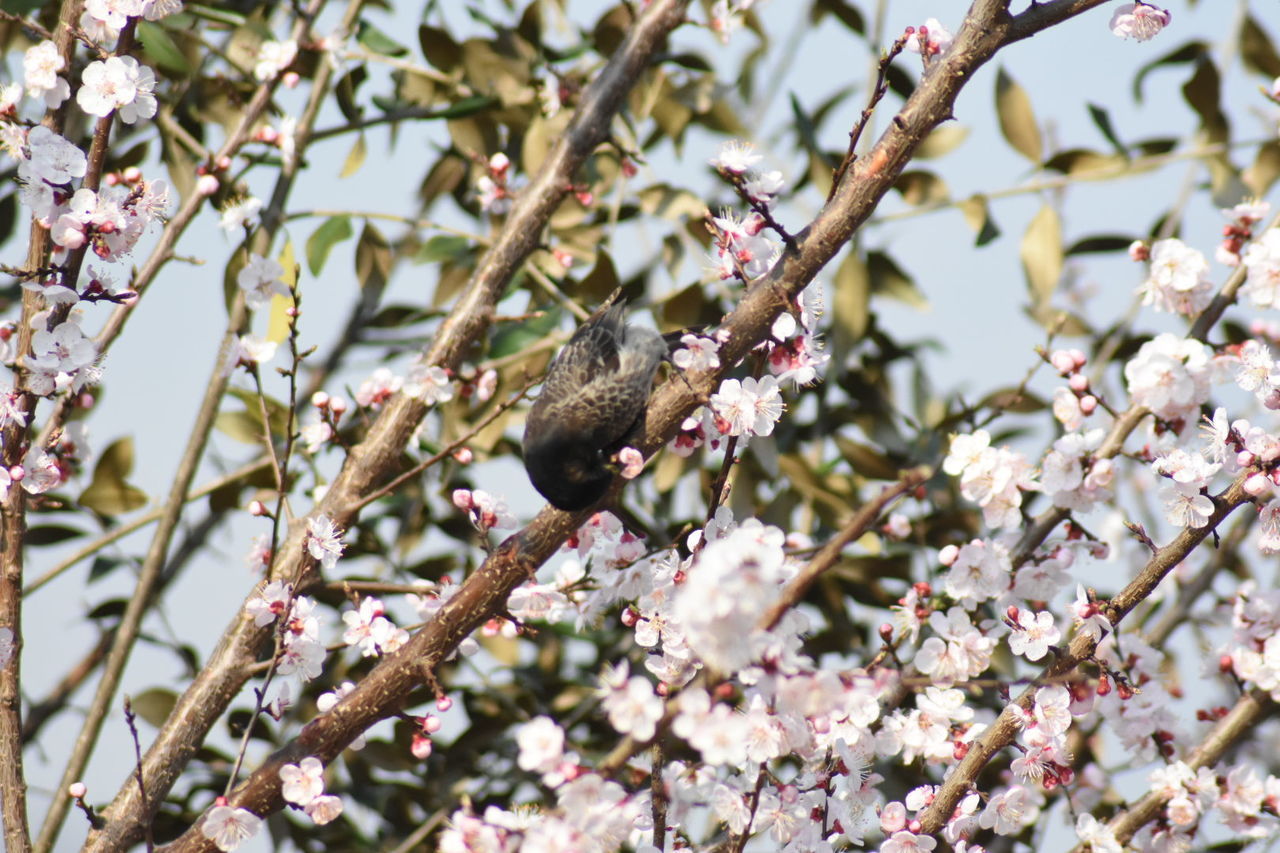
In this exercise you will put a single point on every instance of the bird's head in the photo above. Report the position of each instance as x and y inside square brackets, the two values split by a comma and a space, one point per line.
[566, 470]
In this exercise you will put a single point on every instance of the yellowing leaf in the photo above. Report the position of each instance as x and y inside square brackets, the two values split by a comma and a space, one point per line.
[1017, 120]
[1042, 255]
[110, 494]
[942, 140]
[355, 158]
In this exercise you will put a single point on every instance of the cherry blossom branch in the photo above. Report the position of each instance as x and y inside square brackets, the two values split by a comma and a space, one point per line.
[819, 563]
[1002, 732]
[1249, 711]
[483, 594]
[1127, 422]
[13, 507]
[150, 573]
[92, 181]
[369, 465]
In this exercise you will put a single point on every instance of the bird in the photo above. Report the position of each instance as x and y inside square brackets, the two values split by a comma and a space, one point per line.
[592, 403]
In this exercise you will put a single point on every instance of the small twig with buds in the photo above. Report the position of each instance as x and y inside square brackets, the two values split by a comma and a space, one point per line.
[130, 719]
[878, 93]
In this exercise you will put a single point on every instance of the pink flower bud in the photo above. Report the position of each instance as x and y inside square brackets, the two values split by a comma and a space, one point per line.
[632, 462]
[77, 790]
[948, 555]
[206, 185]
[1256, 484]
[893, 817]
[290, 80]
[443, 704]
[320, 399]
[337, 405]
[1078, 382]
[1062, 361]
[1088, 404]
[463, 500]
[463, 455]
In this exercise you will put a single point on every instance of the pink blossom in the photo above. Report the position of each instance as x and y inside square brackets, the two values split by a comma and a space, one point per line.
[1139, 21]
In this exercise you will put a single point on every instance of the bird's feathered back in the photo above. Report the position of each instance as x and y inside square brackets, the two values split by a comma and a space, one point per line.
[592, 401]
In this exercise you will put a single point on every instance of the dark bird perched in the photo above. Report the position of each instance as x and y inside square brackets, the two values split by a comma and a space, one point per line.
[592, 403]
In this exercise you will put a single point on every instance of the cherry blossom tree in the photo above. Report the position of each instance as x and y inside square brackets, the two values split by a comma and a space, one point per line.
[828, 601]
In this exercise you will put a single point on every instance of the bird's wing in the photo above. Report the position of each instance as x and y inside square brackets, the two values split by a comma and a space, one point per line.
[591, 353]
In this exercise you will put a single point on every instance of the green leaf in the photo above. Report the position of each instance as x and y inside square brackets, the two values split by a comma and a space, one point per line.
[1042, 256]
[373, 260]
[889, 279]
[1100, 244]
[466, 106]
[1102, 119]
[1189, 52]
[49, 534]
[920, 187]
[1018, 400]
[439, 48]
[808, 133]
[1017, 120]
[1082, 161]
[444, 247]
[161, 49]
[331, 232]
[212, 13]
[522, 336]
[378, 41]
[109, 493]
[154, 705]
[841, 11]
[1257, 49]
[1204, 93]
